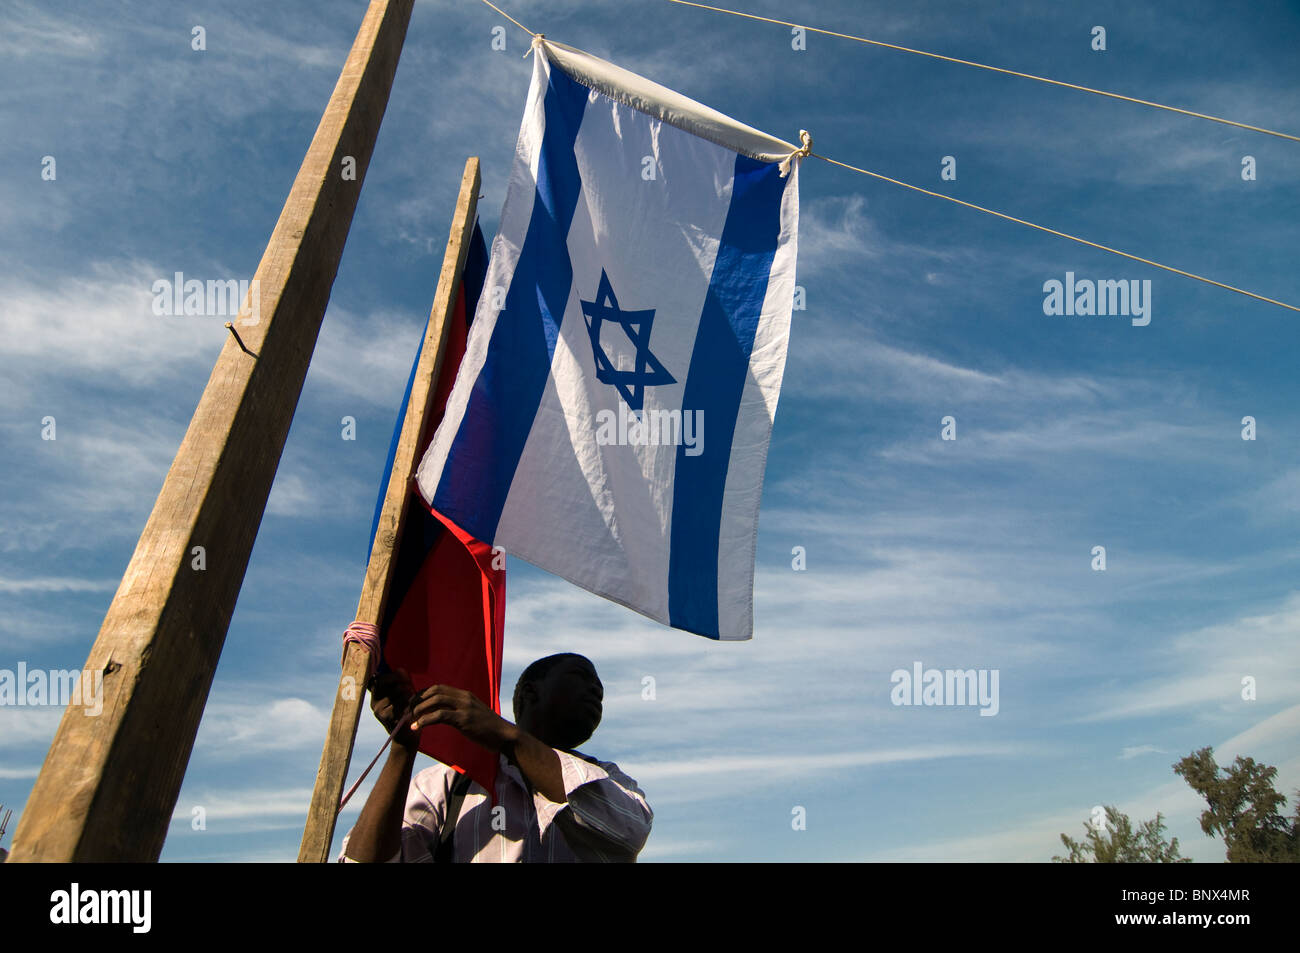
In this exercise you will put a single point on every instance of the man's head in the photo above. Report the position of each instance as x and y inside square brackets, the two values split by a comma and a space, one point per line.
[558, 700]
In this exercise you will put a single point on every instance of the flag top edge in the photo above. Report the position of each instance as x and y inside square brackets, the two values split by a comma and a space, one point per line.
[664, 104]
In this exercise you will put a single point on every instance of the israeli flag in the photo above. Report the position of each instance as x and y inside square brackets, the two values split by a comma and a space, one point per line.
[611, 417]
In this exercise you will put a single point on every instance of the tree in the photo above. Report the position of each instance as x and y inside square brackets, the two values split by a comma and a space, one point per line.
[1115, 842]
[1243, 808]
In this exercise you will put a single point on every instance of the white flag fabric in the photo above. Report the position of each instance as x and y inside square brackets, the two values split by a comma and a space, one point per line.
[611, 418]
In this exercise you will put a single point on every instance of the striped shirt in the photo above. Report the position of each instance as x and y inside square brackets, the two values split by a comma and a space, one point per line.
[606, 817]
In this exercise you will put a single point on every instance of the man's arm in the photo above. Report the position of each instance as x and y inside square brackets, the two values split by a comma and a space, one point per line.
[606, 817]
[538, 762]
[377, 835]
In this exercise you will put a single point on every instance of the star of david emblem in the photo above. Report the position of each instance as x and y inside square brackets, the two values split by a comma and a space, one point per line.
[647, 371]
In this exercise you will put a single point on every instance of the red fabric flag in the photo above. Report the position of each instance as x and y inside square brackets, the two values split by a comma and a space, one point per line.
[445, 625]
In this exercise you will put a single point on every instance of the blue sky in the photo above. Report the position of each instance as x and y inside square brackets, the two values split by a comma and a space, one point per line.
[1072, 432]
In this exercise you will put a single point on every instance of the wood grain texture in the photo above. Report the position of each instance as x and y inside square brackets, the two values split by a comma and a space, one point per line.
[348, 700]
[109, 783]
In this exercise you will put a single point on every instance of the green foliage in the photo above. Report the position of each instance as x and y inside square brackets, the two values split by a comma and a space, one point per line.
[1117, 843]
[1244, 809]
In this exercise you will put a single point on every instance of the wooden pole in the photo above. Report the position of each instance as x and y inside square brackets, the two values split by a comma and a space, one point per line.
[323, 813]
[109, 783]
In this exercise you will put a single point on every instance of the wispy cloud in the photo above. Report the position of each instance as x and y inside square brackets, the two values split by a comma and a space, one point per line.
[221, 804]
[57, 584]
[29, 31]
[252, 725]
[779, 767]
[1206, 669]
[1137, 751]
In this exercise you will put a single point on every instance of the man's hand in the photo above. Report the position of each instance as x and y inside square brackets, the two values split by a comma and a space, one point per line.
[390, 698]
[444, 705]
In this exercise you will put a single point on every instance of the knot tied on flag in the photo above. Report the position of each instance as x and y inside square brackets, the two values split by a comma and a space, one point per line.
[806, 138]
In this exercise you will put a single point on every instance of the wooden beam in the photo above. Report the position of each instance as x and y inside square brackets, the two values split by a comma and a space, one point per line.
[109, 784]
[323, 813]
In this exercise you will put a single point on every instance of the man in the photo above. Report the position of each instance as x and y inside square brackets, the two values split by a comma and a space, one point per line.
[554, 804]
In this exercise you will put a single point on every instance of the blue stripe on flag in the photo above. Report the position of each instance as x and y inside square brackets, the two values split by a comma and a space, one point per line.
[485, 452]
[719, 366]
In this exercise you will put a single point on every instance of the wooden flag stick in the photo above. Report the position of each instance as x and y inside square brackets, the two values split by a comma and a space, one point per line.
[109, 783]
[323, 813]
